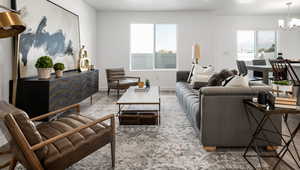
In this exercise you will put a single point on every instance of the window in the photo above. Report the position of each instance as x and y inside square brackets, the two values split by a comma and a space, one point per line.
[266, 43]
[246, 45]
[256, 44]
[153, 46]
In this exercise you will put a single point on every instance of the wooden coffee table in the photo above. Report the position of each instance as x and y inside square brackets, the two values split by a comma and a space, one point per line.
[140, 108]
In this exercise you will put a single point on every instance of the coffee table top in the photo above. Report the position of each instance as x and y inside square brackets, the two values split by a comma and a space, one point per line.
[150, 96]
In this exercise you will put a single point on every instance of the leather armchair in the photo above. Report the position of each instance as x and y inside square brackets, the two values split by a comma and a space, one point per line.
[57, 144]
[116, 79]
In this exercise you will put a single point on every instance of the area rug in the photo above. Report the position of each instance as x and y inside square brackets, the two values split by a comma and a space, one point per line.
[171, 146]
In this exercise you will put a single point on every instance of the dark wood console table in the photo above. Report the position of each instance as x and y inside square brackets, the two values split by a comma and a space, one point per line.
[38, 97]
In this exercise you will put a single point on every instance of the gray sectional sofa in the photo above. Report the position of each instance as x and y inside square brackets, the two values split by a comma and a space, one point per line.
[218, 114]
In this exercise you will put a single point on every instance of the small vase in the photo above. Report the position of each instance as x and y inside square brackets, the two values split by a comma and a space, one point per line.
[44, 73]
[59, 73]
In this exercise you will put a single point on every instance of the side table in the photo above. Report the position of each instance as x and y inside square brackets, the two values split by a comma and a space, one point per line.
[287, 139]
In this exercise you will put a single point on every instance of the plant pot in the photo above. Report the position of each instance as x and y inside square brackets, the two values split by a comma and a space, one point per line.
[44, 73]
[59, 73]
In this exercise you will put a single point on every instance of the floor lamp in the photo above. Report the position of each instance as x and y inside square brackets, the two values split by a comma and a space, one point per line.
[196, 55]
[11, 25]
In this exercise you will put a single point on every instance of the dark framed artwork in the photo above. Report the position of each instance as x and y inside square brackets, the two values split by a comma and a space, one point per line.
[50, 30]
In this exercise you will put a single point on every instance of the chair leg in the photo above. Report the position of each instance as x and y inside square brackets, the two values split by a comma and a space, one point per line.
[108, 91]
[113, 142]
[113, 152]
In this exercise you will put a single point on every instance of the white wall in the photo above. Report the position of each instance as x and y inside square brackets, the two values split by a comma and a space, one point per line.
[113, 41]
[215, 34]
[88, 28]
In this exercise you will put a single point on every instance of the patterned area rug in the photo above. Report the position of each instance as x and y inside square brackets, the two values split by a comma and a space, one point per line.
[171, 146]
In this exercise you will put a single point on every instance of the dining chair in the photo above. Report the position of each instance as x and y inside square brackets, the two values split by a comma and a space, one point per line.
[258, 62]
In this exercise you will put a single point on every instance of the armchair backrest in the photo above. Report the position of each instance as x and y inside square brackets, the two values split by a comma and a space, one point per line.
[23, 134]
[241, 65]
[115, 74]
[259, 62]
[280, 70]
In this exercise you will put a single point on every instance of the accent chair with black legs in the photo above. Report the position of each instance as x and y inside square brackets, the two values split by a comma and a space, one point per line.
[116, 79]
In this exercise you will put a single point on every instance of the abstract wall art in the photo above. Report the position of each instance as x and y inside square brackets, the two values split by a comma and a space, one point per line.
[51, 30]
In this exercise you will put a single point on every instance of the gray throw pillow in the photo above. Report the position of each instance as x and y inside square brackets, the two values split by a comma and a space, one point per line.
[218, 78]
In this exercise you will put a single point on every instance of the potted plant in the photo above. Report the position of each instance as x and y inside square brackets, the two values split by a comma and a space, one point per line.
[59, 67]
[147, 83]
[44, 67]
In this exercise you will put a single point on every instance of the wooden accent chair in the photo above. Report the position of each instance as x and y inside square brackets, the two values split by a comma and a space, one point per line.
[116, 79]
[57, 144]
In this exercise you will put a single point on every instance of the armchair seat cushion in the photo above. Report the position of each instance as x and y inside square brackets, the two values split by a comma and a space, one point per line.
[124, 83]
[73, 148]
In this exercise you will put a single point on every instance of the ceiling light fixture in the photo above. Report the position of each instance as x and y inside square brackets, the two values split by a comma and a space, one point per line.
[289, 23]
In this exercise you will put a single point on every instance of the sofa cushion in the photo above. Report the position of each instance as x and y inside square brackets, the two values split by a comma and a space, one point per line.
[123, 83]
[75, 146]
[189, 100]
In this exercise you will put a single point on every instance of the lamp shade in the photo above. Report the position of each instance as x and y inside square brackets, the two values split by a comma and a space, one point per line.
[196, 52]
[10, 24]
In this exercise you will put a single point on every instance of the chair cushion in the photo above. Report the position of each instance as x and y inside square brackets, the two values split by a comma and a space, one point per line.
[30, 131]
[124, 83]
[76, 146]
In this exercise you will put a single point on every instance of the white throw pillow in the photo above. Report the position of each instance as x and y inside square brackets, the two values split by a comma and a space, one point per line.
[238, 81]
[207, 70]
[201, 73]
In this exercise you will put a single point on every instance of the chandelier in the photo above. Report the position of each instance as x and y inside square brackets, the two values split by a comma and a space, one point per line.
[289, 23]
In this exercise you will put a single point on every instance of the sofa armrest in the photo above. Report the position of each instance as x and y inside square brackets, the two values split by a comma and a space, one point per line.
[257, 83]
[224, 120]
[231, 91]
[182, 76]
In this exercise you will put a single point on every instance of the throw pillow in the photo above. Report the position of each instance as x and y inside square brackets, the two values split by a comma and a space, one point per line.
[218, 78]
[201, 73]
[238, 81]
[215, 80]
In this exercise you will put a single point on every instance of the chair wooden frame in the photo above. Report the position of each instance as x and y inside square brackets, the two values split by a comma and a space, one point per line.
[28, 150]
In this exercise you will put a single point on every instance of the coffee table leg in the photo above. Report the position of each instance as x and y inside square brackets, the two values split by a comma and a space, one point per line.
[119, 112]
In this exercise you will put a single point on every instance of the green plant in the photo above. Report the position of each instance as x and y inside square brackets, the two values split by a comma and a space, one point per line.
[59, 66]
[44, 62]
[282, 82]
[147, 83]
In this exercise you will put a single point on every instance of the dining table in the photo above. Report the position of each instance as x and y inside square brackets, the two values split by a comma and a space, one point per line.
[265, 69]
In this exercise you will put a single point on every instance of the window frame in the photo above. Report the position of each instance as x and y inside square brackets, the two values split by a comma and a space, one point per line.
[154, 49]
[256, 41]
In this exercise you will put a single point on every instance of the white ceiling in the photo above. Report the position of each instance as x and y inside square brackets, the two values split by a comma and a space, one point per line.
[256, 7]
